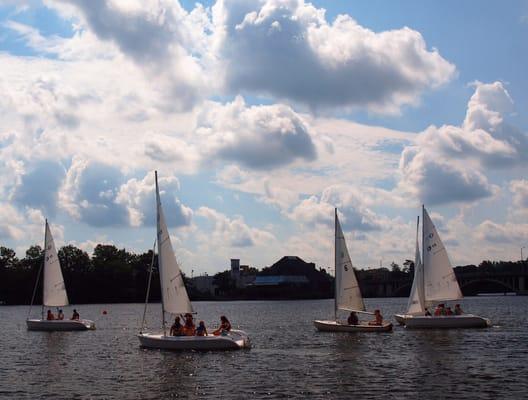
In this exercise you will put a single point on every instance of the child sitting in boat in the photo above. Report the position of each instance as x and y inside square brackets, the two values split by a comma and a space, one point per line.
[189, 329]
[448, 311]
[176, 328]
[353, 319]
[439, 310]
[50, 316]
[458, 310]
[378, 318]
[75, 315]
[60, 316]
[201, 330]
[225, 326]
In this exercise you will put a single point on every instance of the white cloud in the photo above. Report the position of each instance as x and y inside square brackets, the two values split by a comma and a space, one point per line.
[322, 64]
[507, 233]
[435, 181]
[138, 197]
[160, 37]
[89, 193]
[319, 210]
[259, 137]
[519, 189]
[447, 164]
[234, 232]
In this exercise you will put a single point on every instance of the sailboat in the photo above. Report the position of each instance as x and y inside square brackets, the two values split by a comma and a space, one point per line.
[54, 293]
[175, 301]
[434, 281]
[347, 292]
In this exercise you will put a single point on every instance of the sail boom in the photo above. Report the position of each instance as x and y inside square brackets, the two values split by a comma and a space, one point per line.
[356, 311]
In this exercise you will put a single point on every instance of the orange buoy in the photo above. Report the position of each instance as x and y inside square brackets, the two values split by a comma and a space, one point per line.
[104, 312]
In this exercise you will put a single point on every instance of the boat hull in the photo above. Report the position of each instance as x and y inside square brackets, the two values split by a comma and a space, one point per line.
[445, 322]
[59, 325]
[336, 326]
[400, 318]
[234, 340]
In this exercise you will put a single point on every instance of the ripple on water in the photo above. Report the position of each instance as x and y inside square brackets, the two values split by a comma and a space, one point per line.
[289, 359]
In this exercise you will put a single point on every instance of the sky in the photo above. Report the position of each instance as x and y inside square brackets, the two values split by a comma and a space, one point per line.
[261, 117]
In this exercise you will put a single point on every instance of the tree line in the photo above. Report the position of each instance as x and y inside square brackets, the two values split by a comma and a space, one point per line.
[109, 275]
[113, 275]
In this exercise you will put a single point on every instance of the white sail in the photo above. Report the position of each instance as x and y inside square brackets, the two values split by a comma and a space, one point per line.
[440, 282]
[54, 291]
[174, 295]
[416, 302]
[348, 295]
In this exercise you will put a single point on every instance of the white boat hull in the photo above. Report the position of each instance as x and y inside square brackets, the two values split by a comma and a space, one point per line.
[336, 326]
[60, 325]
[234, 340]
[400, 318]
[443, 322]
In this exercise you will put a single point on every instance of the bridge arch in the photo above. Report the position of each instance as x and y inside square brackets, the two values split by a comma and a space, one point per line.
[487, 283]
[403, 290]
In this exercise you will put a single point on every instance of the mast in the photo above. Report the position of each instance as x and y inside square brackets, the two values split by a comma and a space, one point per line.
[148, 286]
[423, 253]
[43, 262]
[335, 264]
[160, 266]
[38, 278]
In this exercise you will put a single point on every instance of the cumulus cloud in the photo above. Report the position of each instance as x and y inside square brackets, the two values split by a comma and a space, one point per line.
[89, 193]
[258, 137]
[38, 188]
[319, 210]
[138, 197]
[11, 222]
[435, 181]
[100, 195]
[160, 37]
[508, 233]
[287, 49]
[233, 232]
[519, 190]
[446, 164]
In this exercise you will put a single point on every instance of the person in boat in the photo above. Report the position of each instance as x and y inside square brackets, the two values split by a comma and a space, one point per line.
[225, 326]
[75, 315]
[458, 310]
[439, 310]
[189, 329]
[353, 319]
[378, 318]
[60, 315]
[50, 316]
[176, 328]
[427, 312]
[201, 330]
[448, 311]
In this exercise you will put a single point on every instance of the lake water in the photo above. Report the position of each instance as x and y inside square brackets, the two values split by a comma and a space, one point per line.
[289, 358]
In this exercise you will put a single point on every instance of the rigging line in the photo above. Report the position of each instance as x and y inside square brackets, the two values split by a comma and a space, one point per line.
[148, 286]
[35, 290]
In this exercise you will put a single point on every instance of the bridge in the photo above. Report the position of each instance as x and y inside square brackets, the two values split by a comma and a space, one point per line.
[472, 281]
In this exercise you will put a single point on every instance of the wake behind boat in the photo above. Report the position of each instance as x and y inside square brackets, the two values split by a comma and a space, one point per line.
[53, 293]
[347, 293]
[174, 300]
[434, 281]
